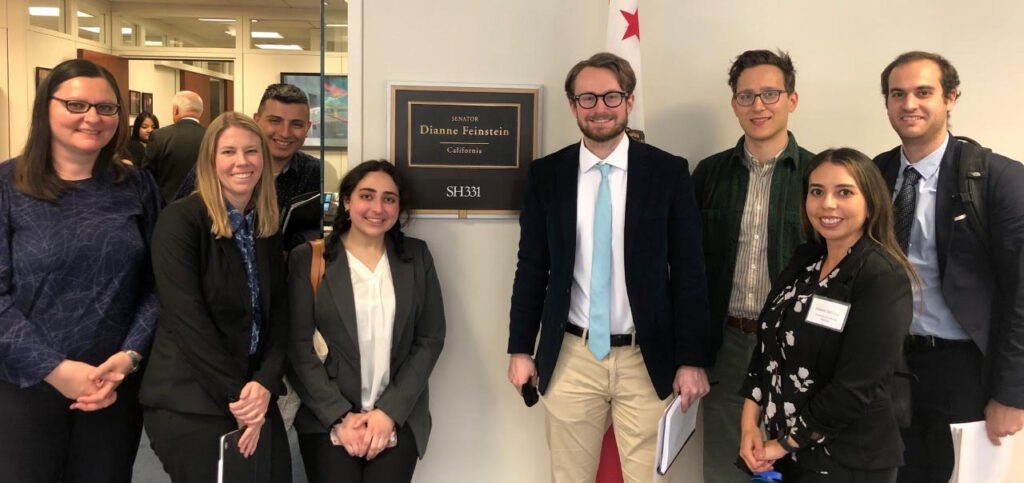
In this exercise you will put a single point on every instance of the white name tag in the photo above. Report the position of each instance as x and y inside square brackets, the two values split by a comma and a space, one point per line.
[828, 313]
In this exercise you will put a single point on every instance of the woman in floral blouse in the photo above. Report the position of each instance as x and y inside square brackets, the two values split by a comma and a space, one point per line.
[830, 336]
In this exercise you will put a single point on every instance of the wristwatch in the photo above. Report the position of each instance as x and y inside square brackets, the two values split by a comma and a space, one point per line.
[136, 360]
[784, 442]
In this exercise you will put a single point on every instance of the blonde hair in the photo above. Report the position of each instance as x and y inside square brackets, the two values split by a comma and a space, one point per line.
[264, 196]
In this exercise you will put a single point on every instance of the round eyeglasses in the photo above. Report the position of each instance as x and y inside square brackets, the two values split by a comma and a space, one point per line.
[770, 96]
[82, 107]
[588, 100]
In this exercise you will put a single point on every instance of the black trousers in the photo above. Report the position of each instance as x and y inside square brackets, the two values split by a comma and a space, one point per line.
[948, 389]
[327, 463]
[188, 445]
[42, 441]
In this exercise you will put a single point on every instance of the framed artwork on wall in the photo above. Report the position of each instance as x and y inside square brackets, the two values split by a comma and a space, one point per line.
[41, 74]
[147, 102]
[134, 103]
[332, 122]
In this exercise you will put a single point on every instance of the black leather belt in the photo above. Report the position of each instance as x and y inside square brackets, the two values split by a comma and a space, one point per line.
[620, 340]
[928, 342]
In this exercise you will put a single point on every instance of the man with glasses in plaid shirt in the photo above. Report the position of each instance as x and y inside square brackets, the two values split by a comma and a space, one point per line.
[749, 197]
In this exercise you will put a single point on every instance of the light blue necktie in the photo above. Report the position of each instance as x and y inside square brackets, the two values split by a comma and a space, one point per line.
[599, 339]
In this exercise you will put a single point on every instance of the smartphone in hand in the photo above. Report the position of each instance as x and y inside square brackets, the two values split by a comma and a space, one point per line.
[530, 394]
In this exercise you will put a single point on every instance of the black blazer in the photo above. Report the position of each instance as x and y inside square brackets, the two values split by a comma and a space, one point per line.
[331, 389]
[664, 263]
[171, 152]
[852, 370]
[200, 357]
[984, 289]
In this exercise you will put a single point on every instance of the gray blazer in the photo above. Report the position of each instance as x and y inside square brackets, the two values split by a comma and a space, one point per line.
[331, 389]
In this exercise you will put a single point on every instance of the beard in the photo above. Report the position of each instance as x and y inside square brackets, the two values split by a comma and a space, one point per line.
[618, 128]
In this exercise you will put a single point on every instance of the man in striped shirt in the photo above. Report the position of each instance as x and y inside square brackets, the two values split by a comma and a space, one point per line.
[749, 197]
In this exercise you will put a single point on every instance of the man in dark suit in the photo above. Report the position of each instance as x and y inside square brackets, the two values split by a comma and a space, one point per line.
[611, 275]
[171, 152]
[966, 343]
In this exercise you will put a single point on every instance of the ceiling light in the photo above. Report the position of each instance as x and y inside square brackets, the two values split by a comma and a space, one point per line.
[44, 11]
[336, 25]
[154, 43]
[218, 20]
[266, 35]
[94, 30]
[126, 30]
[279, 46]
[82, 14]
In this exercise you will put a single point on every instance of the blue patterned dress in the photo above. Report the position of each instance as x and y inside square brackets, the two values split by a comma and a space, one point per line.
[75, 276]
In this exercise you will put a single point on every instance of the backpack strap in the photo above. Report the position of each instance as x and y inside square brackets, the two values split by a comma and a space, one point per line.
[316, 265]
[316, 274]
[972, 171]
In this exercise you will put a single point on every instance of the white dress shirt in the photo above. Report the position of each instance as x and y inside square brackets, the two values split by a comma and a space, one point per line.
[588, 183]
[374, 296]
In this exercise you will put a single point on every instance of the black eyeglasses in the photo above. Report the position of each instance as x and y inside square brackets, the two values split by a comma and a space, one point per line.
[82, 107]
[770, 96]
[588, 100]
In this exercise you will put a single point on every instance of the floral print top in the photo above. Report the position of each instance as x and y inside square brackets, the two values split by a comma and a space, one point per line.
[781, 378]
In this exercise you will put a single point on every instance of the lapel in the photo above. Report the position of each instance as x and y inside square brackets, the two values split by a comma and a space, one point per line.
[638, 182]
[405, 291]
[890, 166]
[945, 195]
[338, 283]
[565, 191]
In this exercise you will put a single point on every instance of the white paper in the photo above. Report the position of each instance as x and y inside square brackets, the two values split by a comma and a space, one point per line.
[674, 429]
[977, 459]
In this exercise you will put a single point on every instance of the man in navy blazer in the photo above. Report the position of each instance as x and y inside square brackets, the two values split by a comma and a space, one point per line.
[619, 333]
[966, 343]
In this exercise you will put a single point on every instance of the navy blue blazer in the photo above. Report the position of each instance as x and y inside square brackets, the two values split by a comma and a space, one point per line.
[664, 263]
[984, 289]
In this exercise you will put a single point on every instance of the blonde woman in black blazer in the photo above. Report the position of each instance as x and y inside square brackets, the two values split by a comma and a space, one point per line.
[823, 386]
[361, 420]
[218, 355]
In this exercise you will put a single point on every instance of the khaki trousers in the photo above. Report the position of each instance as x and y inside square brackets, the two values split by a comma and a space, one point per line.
[583, 393]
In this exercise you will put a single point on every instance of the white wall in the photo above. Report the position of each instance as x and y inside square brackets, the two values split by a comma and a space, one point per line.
[161, 81]
[482, 432]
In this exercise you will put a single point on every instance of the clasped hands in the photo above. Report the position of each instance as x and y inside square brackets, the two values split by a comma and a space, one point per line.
[250, 412]
[91, 387]
[364, 435]
[759, 455]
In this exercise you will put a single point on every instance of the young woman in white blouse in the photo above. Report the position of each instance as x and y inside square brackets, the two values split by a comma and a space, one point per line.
[364, 414]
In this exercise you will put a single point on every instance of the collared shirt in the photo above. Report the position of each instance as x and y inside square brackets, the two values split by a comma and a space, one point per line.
[588, 183]
[241, 228]
[373, 292]
[931, 314]
[751, 283]
[301, 176]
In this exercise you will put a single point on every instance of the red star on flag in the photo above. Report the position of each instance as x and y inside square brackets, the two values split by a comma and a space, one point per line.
[632, 24]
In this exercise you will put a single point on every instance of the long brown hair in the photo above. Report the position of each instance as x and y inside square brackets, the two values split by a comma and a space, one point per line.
[878, 224]
[264, 195]
[34, 174]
